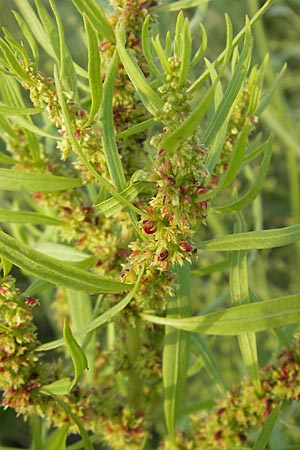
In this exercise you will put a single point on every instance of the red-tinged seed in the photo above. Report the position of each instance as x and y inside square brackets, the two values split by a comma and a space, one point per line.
[77, 133]
[203, 205]
[186, 246]
[184, 190]
[187, 199]
[171, 181]
[214, 180]
[220, 411]
[163, 255]
[218, 435]
[202, 190]
[31, 301]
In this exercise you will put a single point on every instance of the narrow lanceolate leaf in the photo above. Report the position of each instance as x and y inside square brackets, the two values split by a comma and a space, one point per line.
[102, 181]
[231, 92]
[13, 111]
[265, 434]
[97, 17]
[77, 354]
[110, 147]
[236, 157]
[55, 271]
[9, 216]
[149, 98]
[101, 320]
[252, 240]
[179, 4]
[57, 440]
[176, 351]
[256, 186]
[233, 321]
[240, 296]
[17, 180]
[111, 206]
[35, 26]
[94, 69]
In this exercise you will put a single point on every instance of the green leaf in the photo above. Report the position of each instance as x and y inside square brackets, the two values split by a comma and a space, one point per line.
[57, 439]
[97, 17]
[61, 251]
[53, 270]
[256, 186]
[278, 237]
[94, 69]
[239, 296]
[12, 111]
[79, 359]
[235, 42]
[58, 387]
[67, 69]
[147, 49]
[17, 180]
[248, 318]
[112, 206]
[101, 320]
[110, 147]
[36, 27]
[148, 96]
[7, 160]
[49, 30]
[209, 362]
[176, 351]
[6, 266]
[179, 4]
[9, 216]
[12, 63]
[236, 157]
[231, 92]
[267, 429]
[102, 181]
[28, 36]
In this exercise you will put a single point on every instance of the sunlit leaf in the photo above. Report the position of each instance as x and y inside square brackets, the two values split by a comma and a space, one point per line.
[55, 271]
[252, 317]
[79, 358]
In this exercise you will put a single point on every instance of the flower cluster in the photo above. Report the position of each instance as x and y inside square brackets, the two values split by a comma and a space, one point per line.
[243, 409]
[179, 178]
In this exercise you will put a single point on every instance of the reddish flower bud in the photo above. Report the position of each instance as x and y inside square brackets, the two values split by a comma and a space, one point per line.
[214, 180]
[202, 190]
[77, 133]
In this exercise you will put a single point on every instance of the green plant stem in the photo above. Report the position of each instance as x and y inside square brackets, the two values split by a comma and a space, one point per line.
[132, 343]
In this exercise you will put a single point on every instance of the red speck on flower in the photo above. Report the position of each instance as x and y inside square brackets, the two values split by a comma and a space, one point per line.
[77, 133]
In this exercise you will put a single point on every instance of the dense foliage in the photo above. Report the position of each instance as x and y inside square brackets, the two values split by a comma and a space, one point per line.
[140, 213]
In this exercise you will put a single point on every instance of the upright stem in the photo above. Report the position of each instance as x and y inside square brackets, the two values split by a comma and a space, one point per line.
[133, 349]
